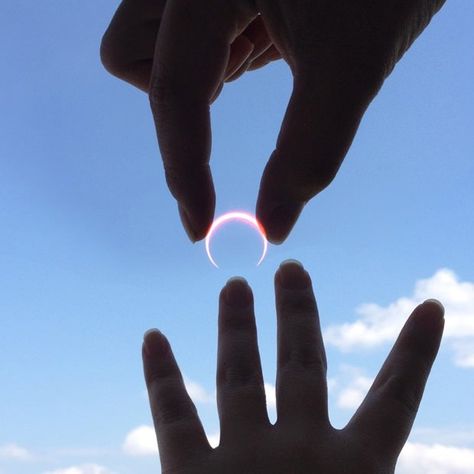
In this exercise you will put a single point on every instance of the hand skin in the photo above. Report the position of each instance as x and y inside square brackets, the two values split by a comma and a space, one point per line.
[302, 441]
[182, 51]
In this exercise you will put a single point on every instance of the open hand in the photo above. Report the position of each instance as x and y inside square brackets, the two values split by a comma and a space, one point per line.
[302, 440]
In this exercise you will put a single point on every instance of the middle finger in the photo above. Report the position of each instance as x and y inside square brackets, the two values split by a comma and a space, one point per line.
[240, 389]
[301, 373]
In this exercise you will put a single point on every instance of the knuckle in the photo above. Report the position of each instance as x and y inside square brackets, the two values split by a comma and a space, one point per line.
[322, 175]
[176, 177]
[304, 357]
[319, 175]
[173, 404]
[310, 174]
[174, 411]
[167, 92]
[238, 376]
[158, 376]
[183, 171]
[106, 57]
[299, 303]
[110, 56]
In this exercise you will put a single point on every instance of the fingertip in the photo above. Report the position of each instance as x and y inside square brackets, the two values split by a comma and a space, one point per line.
[196, 227]
[428, 317]
[279, 219]
[237, 293]
[434, 306]
[188, 226]
[281, 198]
[292, 275]
[155, 344]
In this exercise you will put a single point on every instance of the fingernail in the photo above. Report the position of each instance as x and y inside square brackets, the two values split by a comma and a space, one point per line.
[281, 220]
[238, 293]
[293, 276]
[186, 220]
[430, 316]
[432, 301]
[155, 343]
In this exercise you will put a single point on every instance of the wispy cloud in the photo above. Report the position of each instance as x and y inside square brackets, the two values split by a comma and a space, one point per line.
[14, 452]
[352, 395]
[435, 459]
[464, 353]
[198, 393]
[458, 435]
[377, 325]
[141, 441]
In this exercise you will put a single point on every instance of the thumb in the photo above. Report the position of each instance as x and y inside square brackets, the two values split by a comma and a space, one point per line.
[317, 131]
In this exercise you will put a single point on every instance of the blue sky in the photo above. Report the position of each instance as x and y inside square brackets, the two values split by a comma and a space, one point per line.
[92, 252]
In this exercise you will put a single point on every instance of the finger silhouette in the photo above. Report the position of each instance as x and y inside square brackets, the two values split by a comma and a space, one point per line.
[317, 130]
[191, 58]
[240, 388]
[177, 424]
[301, 371]
[395, 395]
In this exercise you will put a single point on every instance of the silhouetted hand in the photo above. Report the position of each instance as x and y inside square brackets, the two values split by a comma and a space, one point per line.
[302, 441]
[181, 52]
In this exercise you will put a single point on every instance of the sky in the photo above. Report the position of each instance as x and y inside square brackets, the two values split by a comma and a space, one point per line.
[92, 252]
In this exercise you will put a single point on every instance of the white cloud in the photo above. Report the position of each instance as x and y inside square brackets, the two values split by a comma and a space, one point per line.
[84, 469]
[15, 452]
[377, 324]
[464, 353]
[141, 441]
[349, 386]
[459, 435]
[435, 459]
[332, 384]
[214, 439]
[270, 395]
[198, 393]
[351, 396]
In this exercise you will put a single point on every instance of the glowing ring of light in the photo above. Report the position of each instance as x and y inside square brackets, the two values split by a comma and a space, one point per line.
[241, 217]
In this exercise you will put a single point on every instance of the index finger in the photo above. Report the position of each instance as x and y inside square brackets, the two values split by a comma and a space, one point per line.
[190, 61]
[128, 44]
